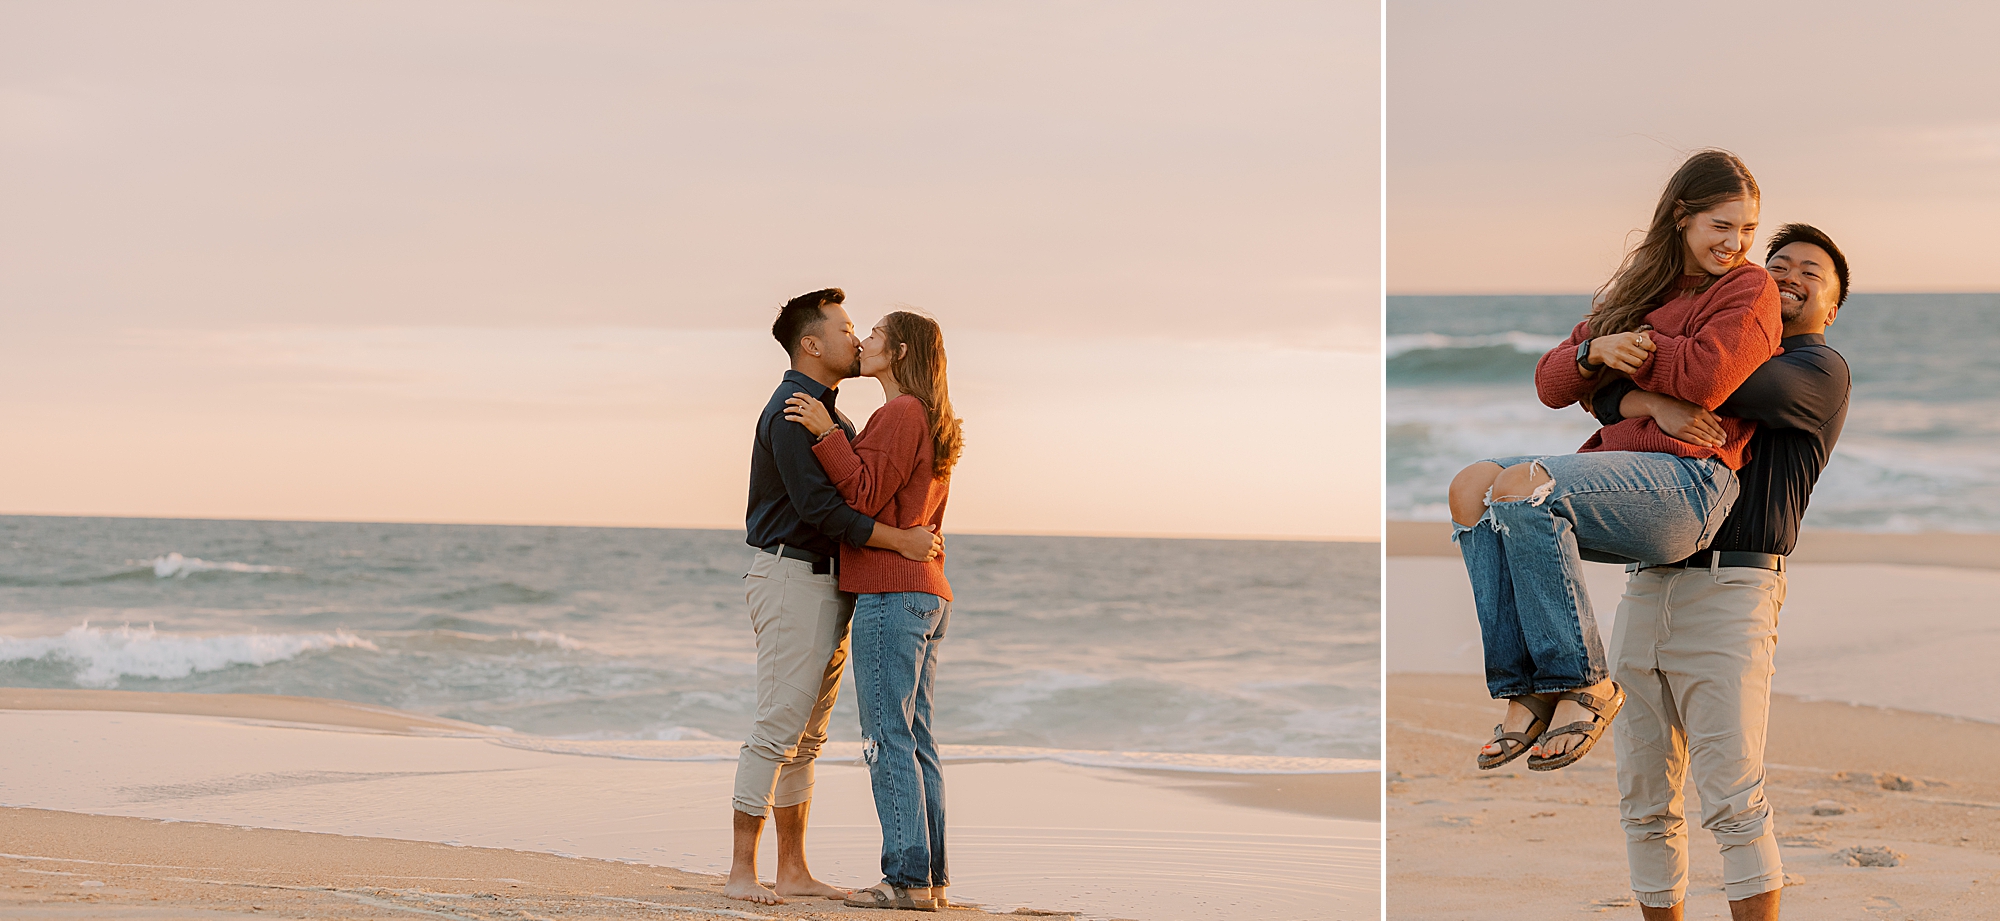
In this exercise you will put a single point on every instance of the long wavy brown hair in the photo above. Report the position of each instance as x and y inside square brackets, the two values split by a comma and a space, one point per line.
[1650, 273]
[919, 370]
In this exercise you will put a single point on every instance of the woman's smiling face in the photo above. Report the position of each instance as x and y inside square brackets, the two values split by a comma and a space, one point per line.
[1717, 238]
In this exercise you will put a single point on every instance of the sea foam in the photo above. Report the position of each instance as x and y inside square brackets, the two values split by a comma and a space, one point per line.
[102, 656]
[176, 566]
[850, 753]
[1525, 343]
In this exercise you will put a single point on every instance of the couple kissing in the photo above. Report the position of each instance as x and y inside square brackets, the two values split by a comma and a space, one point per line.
[849, 557]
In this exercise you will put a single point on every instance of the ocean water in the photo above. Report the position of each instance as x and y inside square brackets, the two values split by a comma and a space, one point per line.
[1217, 655]
[1921, 450]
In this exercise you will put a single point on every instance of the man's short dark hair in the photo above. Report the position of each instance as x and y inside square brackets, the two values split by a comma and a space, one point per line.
[1807, 233]
[801, 314]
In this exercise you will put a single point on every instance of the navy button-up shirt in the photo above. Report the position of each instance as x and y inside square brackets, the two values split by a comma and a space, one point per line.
[1799, 402]
[791, 500]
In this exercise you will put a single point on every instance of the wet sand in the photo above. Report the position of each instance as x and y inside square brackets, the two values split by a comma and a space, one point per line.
[354, 793]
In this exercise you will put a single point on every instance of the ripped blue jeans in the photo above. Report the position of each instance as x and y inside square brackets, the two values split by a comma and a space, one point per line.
[895, 648]
[1523, 555]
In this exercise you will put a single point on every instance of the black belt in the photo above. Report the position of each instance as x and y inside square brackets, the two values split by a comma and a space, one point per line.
[822, 564]
[1724, 558]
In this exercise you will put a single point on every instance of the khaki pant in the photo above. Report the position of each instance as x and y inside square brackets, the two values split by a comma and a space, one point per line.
[801, 621]
[1693, 648]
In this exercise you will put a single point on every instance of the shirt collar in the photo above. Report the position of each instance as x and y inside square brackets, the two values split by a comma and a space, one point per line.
[817, 390]
[1801, 340]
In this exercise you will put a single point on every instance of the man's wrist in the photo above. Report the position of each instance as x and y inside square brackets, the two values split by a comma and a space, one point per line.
[1636, 404]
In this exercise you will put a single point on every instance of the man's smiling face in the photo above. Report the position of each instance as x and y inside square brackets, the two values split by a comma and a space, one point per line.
[1808, 288]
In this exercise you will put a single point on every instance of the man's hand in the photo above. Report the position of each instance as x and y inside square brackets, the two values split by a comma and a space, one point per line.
[1676, 417]
[1624, 352]
[919, 544]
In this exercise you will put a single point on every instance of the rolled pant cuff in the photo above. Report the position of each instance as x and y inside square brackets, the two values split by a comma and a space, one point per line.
[1753, 868]
[1737, 892]
[789, 791]
[1667, 899]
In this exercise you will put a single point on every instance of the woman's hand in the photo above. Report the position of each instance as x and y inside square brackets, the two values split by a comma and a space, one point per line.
[1624, 352]
[811, 413]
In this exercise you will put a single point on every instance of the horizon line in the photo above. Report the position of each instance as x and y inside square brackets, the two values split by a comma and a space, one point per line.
[1994, 293]
[1129, 535]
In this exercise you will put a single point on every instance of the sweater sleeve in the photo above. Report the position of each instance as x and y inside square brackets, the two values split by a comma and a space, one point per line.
[870, 470]
[816, 500]
[1738, 331]
[1557, 381]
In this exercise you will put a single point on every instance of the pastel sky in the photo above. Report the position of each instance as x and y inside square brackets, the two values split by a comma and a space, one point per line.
[1527, 139]
[513, 262]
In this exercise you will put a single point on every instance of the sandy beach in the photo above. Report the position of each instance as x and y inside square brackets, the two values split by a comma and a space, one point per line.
[1885, 730]
[123, 804]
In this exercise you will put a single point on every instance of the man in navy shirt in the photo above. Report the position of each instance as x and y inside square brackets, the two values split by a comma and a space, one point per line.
[797, 521]
[1695, 639]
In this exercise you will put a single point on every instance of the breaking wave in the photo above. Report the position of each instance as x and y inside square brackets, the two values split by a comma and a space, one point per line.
[99, 657]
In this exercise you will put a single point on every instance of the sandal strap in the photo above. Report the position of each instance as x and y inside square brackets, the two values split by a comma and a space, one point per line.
[1586, 700]
[1544, 710]
[874, 897]
[1580, 727]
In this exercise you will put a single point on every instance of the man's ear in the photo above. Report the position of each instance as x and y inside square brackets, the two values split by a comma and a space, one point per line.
[809, 344]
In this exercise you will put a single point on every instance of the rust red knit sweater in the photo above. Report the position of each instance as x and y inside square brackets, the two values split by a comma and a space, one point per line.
[886, 474]
[1707, 342]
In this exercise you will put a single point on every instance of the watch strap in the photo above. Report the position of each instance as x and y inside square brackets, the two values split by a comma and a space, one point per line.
[1583, 357]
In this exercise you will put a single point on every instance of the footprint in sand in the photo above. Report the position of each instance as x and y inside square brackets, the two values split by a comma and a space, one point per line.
[1869, 857]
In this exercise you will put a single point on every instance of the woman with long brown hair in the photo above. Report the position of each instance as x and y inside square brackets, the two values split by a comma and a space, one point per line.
[897, 471]
[1685, 315]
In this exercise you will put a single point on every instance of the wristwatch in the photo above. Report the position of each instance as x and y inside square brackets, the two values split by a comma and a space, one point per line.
[1583, 358]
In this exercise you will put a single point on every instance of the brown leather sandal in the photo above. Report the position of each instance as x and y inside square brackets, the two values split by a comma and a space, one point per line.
[888, 895]
[1591, 729]
[1515, 744]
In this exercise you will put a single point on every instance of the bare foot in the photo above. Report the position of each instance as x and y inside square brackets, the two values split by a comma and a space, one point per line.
[1518, 719]
[1567, 712]
[809, 888]
[750, 890]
